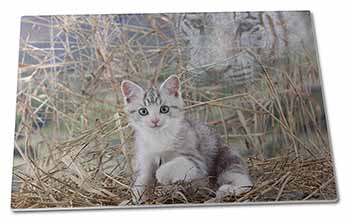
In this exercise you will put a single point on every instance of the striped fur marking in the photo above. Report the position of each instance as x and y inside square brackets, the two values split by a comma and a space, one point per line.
[152, 97]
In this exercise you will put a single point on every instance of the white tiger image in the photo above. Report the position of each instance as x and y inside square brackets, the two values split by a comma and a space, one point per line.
[231, 48]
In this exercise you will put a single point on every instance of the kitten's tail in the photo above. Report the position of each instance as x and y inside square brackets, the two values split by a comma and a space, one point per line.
[232, 173]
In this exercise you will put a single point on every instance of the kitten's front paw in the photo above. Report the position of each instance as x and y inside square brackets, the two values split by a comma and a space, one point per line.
[179, 169]
[139, 195]
[229, 189]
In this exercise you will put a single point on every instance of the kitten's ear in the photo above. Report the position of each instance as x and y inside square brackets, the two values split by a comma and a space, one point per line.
[131, 91]
[171, 86]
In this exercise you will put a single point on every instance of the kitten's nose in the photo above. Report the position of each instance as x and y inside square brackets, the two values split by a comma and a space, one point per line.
[155, 121]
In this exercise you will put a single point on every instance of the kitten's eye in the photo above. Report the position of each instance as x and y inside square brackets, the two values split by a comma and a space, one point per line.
[164, 109]
[143, 111]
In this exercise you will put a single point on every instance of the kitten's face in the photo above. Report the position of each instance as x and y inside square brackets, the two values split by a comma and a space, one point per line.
[153, 109]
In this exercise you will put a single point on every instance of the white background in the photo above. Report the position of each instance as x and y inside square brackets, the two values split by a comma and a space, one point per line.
[332, 28]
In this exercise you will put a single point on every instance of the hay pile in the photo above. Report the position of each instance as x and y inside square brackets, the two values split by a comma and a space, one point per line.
[277, 179]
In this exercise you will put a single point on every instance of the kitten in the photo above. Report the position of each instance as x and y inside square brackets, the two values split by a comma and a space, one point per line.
[171, 148]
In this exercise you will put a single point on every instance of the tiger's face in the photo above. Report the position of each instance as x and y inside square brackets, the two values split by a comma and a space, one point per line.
[228, 48]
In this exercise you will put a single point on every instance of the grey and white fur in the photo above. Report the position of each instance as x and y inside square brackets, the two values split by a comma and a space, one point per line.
[170, 148]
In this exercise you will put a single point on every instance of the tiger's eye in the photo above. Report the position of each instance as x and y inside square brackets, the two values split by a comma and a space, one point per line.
[143, 111]
[164, 109]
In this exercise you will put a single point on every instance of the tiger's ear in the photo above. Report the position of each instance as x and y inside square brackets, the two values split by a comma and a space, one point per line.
[171, 86]
[131, 91]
